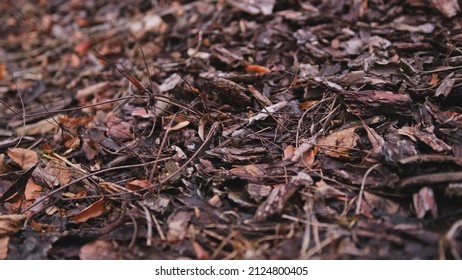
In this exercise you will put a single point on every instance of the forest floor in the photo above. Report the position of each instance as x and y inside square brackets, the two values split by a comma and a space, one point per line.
[241, 129]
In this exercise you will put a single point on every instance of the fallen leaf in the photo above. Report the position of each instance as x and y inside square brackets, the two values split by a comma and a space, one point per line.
[2, 164]
[10, 224]
[121, 131]
[201, 254]
[177, 126]
[33, 190]
[2, 70]
[91, 90]
[99, 250]
[40, 127]
[257, 69]
[16, 190]
[177, 224]
[24, 157]
[60, 171]
[4, 247]
[137, 185]
[82, 47]
[94, 210]
[339, 144]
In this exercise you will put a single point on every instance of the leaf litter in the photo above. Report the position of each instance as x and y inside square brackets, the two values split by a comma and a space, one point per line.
[230, 130]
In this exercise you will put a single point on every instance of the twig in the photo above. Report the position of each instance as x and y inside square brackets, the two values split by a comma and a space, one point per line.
[85, 177]
[429, 179]
[363, 184]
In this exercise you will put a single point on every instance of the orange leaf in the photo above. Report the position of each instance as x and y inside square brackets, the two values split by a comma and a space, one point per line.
[32, 190]
[92, 211]
[257, 69]
[24, 157]
[82, 47]
[4, 247]
[137, 185]
[2, 70]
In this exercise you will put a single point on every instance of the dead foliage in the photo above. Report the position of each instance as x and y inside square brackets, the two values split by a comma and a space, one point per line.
[230, 129]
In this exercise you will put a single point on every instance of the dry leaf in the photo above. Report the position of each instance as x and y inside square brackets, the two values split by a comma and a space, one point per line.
[4, 247]
[288, 152]
[60, 171]
[177, 224]
[201, 254]
[99, 250]
[177, 126]
[121, 131]
[94, 210]
[24, 157]
[82, 47]
[338, 144]
[2, 70]
[91, 90]
[142, 113]
[10, 224]
[257, 69]
[33, 190]
[2, 157]
[40, 127]
[137, 185]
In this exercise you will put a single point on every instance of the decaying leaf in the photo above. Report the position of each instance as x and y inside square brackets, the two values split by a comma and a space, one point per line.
[40, 127]
[137, 184]
[58, 170]
[99, 250]
[16, 190]
[4, 247]
[12, 223]
[94, 210]
[24, 157]
[177, 224]
[339, 144]
[33, 190]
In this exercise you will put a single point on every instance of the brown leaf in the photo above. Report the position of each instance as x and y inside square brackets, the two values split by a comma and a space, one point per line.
[177, 224]
[60, 171]
[10, 224]
[2, 70]
[16, 190]
[24, 157]
[338, 144]
[2, 164]
[33, 190]
[40, 127]
[91, 90]
[137, 185]
[94, 210]
[4, 247]
[99, 250]
[82, 47]
[201, 254]
[121, 131]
